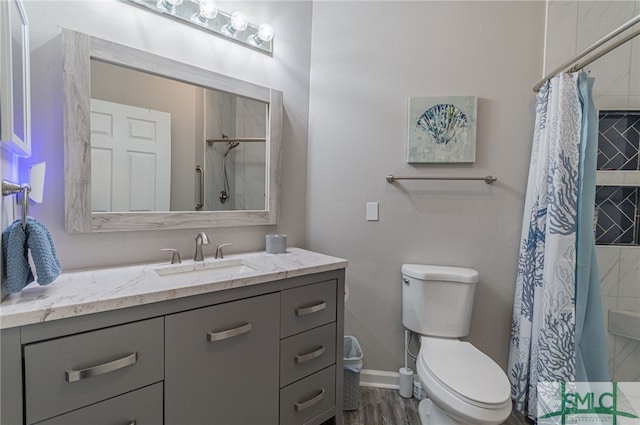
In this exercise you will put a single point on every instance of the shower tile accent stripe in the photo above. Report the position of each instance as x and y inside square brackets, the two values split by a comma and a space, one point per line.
[619, 140]
[617, 215]
[618, 207]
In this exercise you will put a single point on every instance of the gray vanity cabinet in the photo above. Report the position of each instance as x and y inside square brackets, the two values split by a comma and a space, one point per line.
[222, 363]
[265, 354]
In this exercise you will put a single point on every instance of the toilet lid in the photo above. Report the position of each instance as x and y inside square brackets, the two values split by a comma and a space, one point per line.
[465, 370]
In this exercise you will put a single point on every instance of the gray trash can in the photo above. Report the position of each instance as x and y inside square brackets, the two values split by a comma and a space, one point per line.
[352, 364]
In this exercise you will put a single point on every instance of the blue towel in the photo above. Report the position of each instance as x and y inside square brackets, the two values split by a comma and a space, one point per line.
[16, 244]
[15, 257]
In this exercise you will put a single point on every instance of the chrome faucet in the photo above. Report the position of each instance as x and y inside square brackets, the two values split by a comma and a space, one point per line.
[175, 258]
[201, 239]
[219, 253]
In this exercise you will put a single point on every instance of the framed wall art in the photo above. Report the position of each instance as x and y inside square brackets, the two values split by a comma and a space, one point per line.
[442, 129]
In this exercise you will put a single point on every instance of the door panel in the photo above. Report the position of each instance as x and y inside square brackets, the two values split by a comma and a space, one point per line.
[135, 175]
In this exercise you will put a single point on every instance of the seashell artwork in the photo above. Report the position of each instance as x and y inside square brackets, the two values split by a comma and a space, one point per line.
[442, 129]
[444, 122]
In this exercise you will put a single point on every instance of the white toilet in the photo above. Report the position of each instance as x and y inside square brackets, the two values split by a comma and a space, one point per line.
[464, 386]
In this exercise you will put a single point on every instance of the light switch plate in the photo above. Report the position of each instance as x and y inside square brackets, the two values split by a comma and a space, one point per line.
[372, 211]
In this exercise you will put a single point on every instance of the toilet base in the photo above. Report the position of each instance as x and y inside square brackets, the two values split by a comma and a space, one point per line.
[430, 414]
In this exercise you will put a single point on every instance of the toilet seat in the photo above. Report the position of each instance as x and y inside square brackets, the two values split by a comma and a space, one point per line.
[466, 371]
[463, 382]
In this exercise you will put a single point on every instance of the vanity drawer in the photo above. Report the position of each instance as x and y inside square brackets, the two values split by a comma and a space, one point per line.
[306, 399]
[306, 353]
[308, 307]
[67, 373]
[140, 407]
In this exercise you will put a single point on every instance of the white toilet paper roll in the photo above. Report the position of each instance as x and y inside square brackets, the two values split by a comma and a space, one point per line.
[405, 382]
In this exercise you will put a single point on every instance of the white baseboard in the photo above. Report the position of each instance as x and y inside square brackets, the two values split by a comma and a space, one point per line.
[379, 379]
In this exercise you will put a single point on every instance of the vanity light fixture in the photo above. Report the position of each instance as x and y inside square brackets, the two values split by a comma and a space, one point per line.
[205, 15]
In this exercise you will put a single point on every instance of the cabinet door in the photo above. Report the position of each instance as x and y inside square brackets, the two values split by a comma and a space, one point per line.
[222, 363]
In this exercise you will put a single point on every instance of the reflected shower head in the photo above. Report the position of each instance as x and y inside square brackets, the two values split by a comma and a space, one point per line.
[230, 146]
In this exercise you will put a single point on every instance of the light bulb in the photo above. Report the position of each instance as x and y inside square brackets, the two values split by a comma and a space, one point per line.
[168, 6]
[208, 10]
[237, 23]
[265, 33]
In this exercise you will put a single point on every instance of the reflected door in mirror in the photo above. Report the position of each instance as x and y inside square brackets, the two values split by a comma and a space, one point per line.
[130, 157]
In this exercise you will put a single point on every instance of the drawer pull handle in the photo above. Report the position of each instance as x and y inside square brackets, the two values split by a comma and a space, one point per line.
[306, 404]
[301, 358]
[229, 333]
[77, 375]
[303, 311]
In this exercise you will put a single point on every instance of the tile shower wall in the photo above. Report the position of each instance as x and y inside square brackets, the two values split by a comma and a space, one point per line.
[620, 285]
[618, 140]
[250, 158]
[246, 172]
[617, 206]
[618, 226]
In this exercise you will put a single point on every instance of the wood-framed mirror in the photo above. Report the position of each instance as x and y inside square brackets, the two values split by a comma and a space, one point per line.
[110, 186]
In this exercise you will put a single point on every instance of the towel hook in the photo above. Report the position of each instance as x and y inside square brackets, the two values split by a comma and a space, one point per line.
[10, 188]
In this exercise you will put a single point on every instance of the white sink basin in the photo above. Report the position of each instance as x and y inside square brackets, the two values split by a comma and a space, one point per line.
[210, 268]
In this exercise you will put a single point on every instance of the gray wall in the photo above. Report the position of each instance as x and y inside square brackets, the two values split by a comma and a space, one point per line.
[367, 59]
[121, 22]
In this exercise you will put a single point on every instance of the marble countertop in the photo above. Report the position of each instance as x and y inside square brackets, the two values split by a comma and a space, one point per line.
[92, 291]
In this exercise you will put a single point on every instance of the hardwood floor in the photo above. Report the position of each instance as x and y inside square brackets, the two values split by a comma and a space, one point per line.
[383, 407]
[386, 407]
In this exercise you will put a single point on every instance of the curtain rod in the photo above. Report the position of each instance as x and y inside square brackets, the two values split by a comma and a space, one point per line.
[614, 46]
[572, 63]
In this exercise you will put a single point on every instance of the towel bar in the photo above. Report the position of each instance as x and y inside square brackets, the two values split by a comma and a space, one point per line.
[236, 139]
[487, 179]
[10, 188]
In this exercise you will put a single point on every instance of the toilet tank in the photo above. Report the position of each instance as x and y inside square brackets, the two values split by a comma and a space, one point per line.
[437, 300]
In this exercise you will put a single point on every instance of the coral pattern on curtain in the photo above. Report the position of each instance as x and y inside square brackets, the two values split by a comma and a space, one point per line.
[543, 326]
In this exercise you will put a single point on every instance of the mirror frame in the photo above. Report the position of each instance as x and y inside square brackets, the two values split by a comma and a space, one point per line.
[78, 50]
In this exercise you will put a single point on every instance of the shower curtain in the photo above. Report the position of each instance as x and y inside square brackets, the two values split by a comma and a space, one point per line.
[591, 344]
[543, 330]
